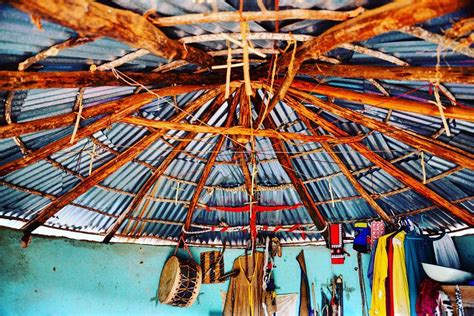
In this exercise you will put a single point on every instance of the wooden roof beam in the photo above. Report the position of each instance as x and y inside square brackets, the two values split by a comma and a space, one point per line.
[20, 80]
[107, 169]
[463, 75]
[158, 172]
[91, 18]
[401, 176]
[385, 102]
[207, 169]
[414, 140]
[241, 132]
[125, 107]
[295, 14]
[389, 17]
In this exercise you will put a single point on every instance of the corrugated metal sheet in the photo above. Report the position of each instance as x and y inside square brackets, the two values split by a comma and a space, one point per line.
[159, 217]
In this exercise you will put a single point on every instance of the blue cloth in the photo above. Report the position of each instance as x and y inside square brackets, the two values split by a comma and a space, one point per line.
[418, 249]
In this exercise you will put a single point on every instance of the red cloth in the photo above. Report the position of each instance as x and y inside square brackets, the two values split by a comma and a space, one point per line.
[256, 208]
[389, 279]
[336, 243]
[426, 302]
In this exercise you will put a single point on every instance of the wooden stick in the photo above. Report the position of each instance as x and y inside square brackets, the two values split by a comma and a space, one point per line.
[463, 75]
[445, 42]
[91, 18]
[8, 107]
[122, 60]
[53, 51]
[77, 107]
[392, 103]
[374, 53]
[238, 131]
[295, 14]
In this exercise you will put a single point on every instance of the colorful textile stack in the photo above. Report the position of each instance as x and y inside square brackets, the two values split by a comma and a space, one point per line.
[337, 243]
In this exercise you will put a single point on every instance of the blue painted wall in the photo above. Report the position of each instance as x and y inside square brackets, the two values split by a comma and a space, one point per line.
[56, 276]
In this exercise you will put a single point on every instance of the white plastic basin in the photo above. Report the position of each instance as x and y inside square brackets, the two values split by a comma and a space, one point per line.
[446, 275]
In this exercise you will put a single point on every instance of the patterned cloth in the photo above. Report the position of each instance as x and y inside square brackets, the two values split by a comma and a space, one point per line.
[377, 229]
[337, 244]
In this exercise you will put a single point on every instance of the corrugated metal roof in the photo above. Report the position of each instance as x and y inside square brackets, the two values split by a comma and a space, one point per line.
[159, 218]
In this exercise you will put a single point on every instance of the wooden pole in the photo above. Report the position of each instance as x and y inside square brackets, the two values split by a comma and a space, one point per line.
[244, 133]
[93, 19]
[295, 14]
[464, 75]
[385, 102]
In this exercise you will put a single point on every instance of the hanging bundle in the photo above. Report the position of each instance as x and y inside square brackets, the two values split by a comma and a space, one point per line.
[361, 237]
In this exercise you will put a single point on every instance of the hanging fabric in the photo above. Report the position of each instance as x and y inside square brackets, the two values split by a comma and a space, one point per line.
[212, 266]
[377, 229]
[245, 295]
[399, 287]
[336, 243]
[361, 237]
[305, 303]
[445, 252]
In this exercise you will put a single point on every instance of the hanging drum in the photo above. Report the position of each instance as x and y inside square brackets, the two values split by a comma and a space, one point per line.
[180, 282]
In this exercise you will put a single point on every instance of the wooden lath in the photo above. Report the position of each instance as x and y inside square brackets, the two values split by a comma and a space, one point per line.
[110, 167]
[401, 176]
[93, 19]
[125, 106]
[207, 169]
[157, 173]
[414, 140]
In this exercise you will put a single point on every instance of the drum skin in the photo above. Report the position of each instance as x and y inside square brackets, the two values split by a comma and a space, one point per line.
[180, 282]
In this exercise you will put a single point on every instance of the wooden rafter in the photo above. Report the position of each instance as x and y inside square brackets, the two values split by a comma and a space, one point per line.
[241, 132]
[385, 102]
[91, 18]
[348, 174]
[125, 107]
[207, 169]
[417, 141]
[108, 168]
[53, 51]
[296, 14]
[157, 173]
[386, 18]
[19, 80]
[401, 176]
[285, 160]
[446, 74]
[18, 129]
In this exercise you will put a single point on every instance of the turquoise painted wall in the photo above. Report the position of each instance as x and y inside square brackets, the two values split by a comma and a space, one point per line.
[56, 276]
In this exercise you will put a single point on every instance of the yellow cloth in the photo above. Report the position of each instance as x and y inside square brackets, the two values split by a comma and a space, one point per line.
[401, 296]
[378, 303]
